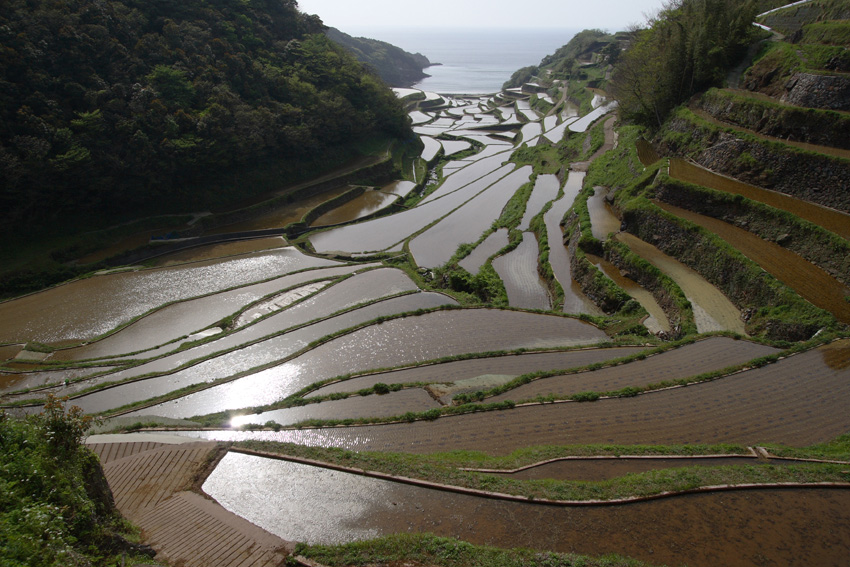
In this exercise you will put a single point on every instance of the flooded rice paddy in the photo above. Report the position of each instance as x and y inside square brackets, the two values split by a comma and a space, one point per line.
[768, 404]
[712, 310]
[808, 280]
[392, 343]
[830, 219]
[102, 303]
[701, 357]
[575, 301]
[281, 321]
[491, 245]
[437, 245]
[325, 506]
[181, 319]
[466, 370]
[518, 270]
[657, 320]
[370, 202]
[221, 250]
[603, 221]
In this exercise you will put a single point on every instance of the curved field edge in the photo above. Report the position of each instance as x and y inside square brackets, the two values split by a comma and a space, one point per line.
[453, 469]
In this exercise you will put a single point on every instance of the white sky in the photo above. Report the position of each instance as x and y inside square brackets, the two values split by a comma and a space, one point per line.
[352, 15]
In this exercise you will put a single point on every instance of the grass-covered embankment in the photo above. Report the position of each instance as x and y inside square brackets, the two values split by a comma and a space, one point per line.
[453, 469]
[426, 549]
[55, 506]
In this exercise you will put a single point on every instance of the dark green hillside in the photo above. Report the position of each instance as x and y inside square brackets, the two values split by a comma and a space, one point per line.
[151, 106]
[396, 67]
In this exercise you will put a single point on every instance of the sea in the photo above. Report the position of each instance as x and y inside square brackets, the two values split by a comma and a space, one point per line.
[473, 61]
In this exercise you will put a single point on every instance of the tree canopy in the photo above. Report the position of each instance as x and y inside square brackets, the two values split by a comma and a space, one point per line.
[688, 47]
[113, 105]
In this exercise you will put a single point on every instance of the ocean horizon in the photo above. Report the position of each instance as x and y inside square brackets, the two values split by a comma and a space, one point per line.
[475, 60]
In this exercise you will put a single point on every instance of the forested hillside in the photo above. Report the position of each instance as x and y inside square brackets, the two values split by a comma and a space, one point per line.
[396, 67]
[148, 105]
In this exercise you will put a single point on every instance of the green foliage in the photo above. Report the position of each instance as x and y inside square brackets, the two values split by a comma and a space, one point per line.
[688, 47]
[55, 508]
[520, 77]
[426, 549]
[144, 106]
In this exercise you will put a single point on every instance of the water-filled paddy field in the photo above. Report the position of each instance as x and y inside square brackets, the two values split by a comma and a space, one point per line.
[243, 326]
[325, 506]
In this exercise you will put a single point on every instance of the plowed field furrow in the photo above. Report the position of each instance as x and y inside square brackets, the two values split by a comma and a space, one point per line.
[513, 365]
[712, 310]
[812, 283]
[830, 219]
[799, 401]
[242, 360]
[518, 270]
[109, 452]
[102, 303]
[703, 356]
[736, 529]
[489, 247]
[392, 404]
[392, 343]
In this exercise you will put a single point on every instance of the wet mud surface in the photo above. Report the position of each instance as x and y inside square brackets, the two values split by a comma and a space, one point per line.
[769, 404]
[742, 528]
[466, 369]
[690, 360]
[712, 310]
[657, 320]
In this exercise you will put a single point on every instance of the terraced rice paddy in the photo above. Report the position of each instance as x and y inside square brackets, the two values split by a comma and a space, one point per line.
[830, 219]
[325, 506]
[437, 245]
[370, 202]
[769, 403]
[812, 283]
[270, 324]
[102, 303]
[463, 373]
[712, 310]
[491, 245]
[657, 320]
[574, 299]
[518, 270]
[222, 250]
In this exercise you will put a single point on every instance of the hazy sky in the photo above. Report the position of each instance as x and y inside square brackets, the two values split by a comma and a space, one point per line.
[353, 15]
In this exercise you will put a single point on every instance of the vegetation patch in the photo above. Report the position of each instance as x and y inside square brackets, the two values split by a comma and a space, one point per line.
[453, 469]
[426, 549]
[55, 506]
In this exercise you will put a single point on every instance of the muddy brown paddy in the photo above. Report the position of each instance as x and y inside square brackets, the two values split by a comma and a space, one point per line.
[744, 528]
[769, 404]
